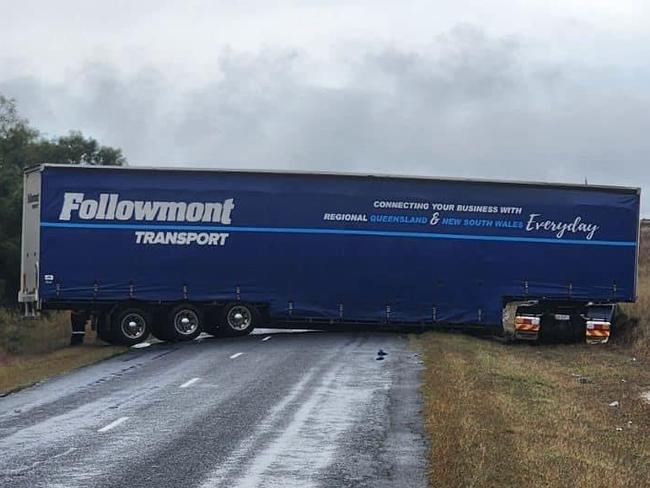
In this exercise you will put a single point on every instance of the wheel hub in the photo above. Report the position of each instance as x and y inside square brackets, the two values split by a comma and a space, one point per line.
[133, 326]
[239, 317]
[186, 321]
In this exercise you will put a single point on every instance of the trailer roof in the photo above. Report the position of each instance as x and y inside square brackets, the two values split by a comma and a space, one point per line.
[612, 188]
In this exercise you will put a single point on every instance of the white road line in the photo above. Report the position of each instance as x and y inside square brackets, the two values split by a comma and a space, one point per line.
[113, 424]
[235, 356]
[266, 338]
[190, 382]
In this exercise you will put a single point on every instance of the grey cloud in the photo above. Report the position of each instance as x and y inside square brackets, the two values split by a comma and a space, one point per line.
[468, 105]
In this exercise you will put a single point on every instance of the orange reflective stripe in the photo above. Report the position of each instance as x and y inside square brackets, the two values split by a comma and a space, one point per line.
[527, 327]
[597, 333]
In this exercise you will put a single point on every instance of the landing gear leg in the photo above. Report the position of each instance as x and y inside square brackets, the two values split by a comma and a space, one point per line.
[78, 325]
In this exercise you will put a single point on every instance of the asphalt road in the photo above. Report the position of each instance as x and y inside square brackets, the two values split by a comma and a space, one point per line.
[272, 409]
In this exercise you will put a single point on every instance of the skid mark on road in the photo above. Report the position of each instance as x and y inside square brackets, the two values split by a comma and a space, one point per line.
[24, 469]
[274, 417]
[298, 439]
[63, 393]
[270, 421]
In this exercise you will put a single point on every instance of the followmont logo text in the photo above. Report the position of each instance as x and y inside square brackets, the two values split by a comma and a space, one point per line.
[109, 206]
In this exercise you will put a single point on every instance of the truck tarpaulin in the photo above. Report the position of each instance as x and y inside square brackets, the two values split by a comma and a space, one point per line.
[328, 246]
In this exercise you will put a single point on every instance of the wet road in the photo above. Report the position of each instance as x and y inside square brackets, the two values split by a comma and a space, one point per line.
[272, 409]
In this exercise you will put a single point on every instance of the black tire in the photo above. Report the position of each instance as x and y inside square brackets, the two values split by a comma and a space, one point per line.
[183, 323]
[231, 325]
[158, 325]
[159, 331]
[104, 329]
[212, 327]
[130, 326]
[211, 319]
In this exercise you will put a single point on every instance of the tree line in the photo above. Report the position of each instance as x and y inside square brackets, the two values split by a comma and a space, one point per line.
[21, 146]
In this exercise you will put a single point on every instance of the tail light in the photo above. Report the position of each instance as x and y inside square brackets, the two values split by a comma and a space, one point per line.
[527, 323]
[597, 331]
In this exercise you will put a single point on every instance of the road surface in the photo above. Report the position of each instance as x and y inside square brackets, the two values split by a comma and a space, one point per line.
[273, 409]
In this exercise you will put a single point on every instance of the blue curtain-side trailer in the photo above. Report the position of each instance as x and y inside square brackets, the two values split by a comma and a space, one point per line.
[175, 252]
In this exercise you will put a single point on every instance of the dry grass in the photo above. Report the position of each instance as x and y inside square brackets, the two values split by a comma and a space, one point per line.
[20, 371]
[534, 416]
[49, 332]
[32, 350]
[636, 333]
[539, 416]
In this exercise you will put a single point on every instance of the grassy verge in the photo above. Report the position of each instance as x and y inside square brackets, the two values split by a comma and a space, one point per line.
[534, 416]
[19, 371]
[636, 333]
[32, 350]
[18, 337]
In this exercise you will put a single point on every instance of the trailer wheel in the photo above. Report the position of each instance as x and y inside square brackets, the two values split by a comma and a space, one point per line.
[184, 323]
[130, 326]
[104, 329]
[159, 330]
[238, 319]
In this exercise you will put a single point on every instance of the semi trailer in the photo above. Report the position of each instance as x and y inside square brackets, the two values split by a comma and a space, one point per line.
[176, 252]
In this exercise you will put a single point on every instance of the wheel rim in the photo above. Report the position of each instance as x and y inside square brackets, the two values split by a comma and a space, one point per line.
[133, 326]
[186, 321]
[239, 317]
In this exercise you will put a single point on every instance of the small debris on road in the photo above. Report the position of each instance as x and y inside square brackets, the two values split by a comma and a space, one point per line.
[615, 404]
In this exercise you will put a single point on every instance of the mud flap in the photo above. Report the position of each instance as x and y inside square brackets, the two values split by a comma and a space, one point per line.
[598, 323]
[527, 327]
[597, 332]
[517, 324]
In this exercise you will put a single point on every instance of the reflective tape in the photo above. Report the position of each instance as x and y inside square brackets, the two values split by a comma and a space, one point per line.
[525, 323]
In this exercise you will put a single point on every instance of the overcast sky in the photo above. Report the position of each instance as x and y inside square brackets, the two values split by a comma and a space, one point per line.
[519, 89]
